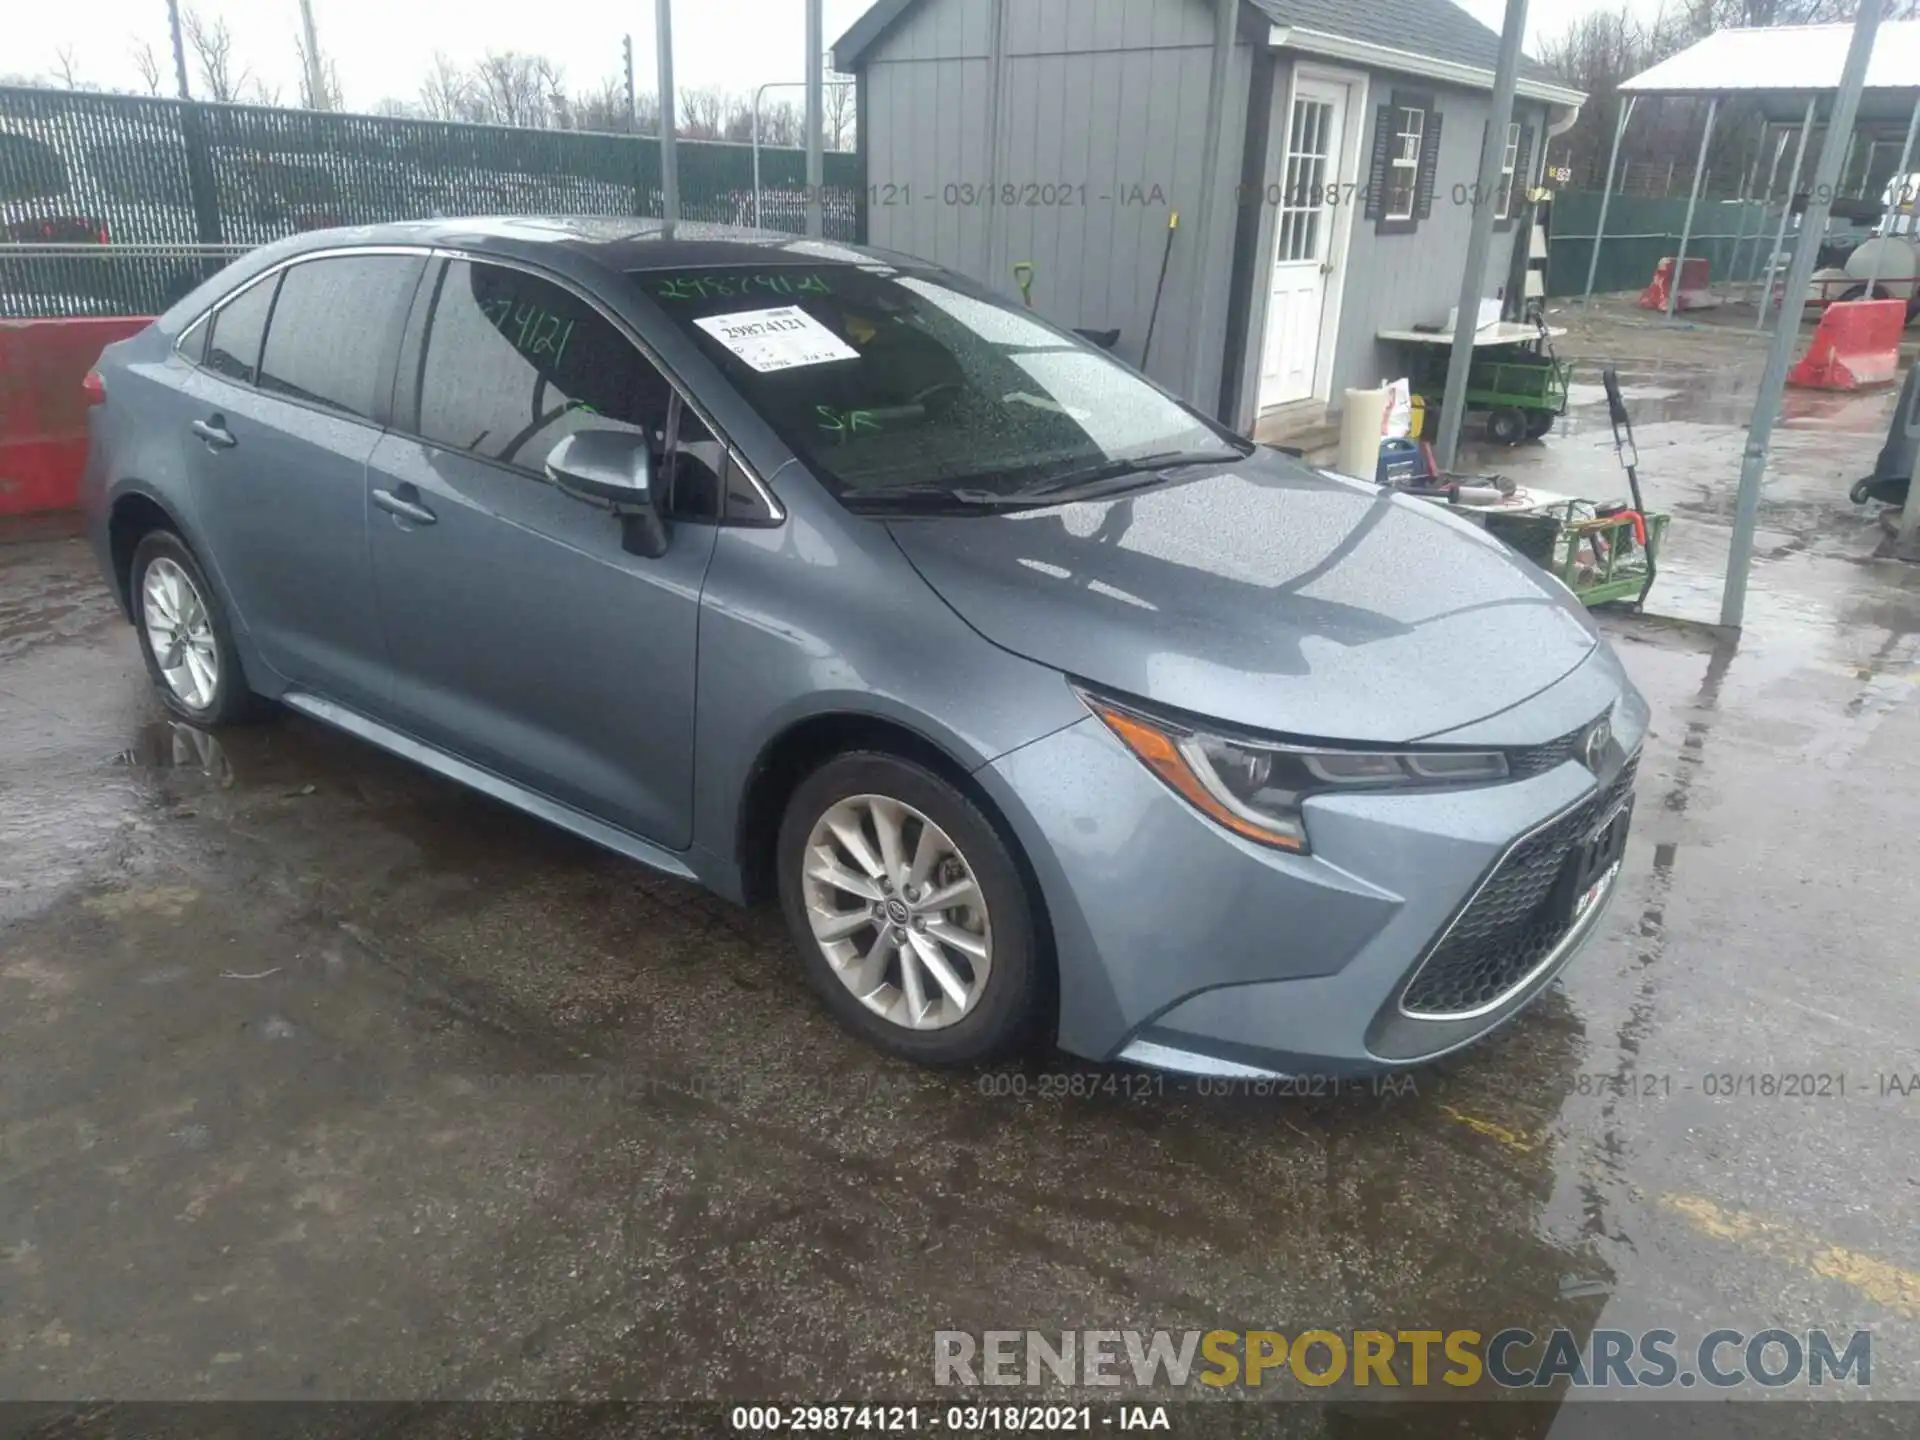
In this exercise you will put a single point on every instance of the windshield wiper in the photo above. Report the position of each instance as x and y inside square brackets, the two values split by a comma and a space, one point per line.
[1147, 467]
[952, 496]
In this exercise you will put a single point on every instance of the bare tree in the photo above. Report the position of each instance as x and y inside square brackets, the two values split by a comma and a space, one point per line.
[261, 93]
[396, 109]
[838, 102]
[148, 66]
[67, 67]
[738, 124]
[329, 98]
[646, 113]
[702, 113]
[515, 89]
[448, 92]
[603, 108]
[781, 123]
[212, 46]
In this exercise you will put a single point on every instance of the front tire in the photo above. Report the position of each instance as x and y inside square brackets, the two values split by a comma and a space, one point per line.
[184, 635]
[909, 911]
[1507, 426]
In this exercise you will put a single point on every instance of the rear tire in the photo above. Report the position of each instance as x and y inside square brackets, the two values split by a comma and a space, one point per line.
[184, 636]
[868, 848]
[1539, 422]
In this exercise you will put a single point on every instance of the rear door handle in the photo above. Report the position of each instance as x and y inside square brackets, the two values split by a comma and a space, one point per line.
[405, 509]
[215, 433]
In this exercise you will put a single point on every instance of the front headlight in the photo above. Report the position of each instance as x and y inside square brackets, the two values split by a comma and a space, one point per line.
[1255, 787]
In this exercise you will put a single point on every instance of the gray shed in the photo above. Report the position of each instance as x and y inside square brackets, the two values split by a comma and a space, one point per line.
[1063, 133]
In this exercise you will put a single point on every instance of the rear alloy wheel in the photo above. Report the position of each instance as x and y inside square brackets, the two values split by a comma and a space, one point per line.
[184, 637]
[909, 910]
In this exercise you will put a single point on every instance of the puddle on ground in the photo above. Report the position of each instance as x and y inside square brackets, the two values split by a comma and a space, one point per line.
[174, 745]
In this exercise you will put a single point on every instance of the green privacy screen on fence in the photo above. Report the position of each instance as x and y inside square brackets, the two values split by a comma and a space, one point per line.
[156, 191]
[1641, 230]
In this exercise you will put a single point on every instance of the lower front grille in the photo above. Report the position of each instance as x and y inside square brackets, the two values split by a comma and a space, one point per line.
[1513, 922]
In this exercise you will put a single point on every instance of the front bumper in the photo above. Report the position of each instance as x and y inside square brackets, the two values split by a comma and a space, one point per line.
[1184, 947]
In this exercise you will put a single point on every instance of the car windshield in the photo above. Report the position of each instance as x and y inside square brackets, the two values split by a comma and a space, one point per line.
[882, 379]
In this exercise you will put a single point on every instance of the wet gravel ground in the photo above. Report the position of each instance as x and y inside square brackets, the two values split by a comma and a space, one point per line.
[321, 1077]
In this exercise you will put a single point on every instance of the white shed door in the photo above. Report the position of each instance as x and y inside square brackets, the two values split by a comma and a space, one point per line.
[1303, 248]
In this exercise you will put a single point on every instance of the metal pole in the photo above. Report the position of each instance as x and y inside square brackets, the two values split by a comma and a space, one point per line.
[316, 75]
[633, 107]
[816, 115]
[1693, 201]
[1606, 195]
[1906, 538]
[1895, 191]
[1786, 336]
[1786, 212]
[1493, 151]
[758, 92]
[179, 48]
[1202, 328]
[669, 160]
[1766, 199]
[1746, 195]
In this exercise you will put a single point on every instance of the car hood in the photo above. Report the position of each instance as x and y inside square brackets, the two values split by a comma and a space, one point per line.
[1268, 595]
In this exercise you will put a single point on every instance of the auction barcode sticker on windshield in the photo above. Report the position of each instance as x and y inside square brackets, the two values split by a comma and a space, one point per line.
[777, 339]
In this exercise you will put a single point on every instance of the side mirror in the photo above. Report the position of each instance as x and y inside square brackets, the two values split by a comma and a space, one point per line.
[613, 468]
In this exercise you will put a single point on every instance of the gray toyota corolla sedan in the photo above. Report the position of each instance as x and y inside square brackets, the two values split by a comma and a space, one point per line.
[1043, 704]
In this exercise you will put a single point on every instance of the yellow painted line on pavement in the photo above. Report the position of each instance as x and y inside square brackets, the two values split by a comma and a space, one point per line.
[1512, 1139]
[1889, 1285]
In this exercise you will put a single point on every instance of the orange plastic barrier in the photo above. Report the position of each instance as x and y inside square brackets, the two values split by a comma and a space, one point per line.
[1694, 283]
[43, 414]
[1856, 344]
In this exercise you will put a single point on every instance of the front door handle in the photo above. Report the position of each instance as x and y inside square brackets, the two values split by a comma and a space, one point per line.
[215, 433]
[405, 509]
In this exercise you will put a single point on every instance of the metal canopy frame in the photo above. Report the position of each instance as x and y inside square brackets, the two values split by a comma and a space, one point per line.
[1864, 74]
[1793, 74]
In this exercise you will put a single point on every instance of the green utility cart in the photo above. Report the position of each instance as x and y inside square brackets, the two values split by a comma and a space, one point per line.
[1601, 558]
[1515, 379]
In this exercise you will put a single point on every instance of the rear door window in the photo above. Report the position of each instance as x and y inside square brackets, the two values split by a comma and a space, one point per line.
[233, 349]
[331, 323]
[514, 363]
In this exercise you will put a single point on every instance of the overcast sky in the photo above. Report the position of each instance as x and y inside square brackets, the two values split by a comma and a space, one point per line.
[383, 47]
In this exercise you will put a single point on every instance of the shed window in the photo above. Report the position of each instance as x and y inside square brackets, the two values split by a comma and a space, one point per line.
[1406, 149]
[1403, 170]
[1509, 162]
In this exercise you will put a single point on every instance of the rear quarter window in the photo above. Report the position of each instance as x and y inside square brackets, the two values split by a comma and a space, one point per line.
[238, 326]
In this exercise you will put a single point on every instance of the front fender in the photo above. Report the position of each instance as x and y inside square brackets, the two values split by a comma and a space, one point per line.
[804, 621]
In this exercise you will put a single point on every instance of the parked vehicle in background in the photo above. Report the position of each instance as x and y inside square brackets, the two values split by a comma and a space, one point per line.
[1041, 703]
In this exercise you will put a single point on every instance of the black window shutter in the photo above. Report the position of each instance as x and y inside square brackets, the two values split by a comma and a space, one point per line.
[1522, 170]
[1429, 162]
[1383, 131]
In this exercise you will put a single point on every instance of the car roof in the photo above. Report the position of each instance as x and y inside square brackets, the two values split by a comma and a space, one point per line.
[615, 242]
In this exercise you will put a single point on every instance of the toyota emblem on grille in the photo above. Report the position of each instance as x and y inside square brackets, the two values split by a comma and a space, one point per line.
[1593, 745]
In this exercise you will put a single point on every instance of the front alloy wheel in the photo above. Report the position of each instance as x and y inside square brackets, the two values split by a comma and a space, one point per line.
[897, 912]
[909, 910]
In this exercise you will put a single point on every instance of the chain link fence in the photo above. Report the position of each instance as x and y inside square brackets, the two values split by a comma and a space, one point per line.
[1735, 237]
[117, 204]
